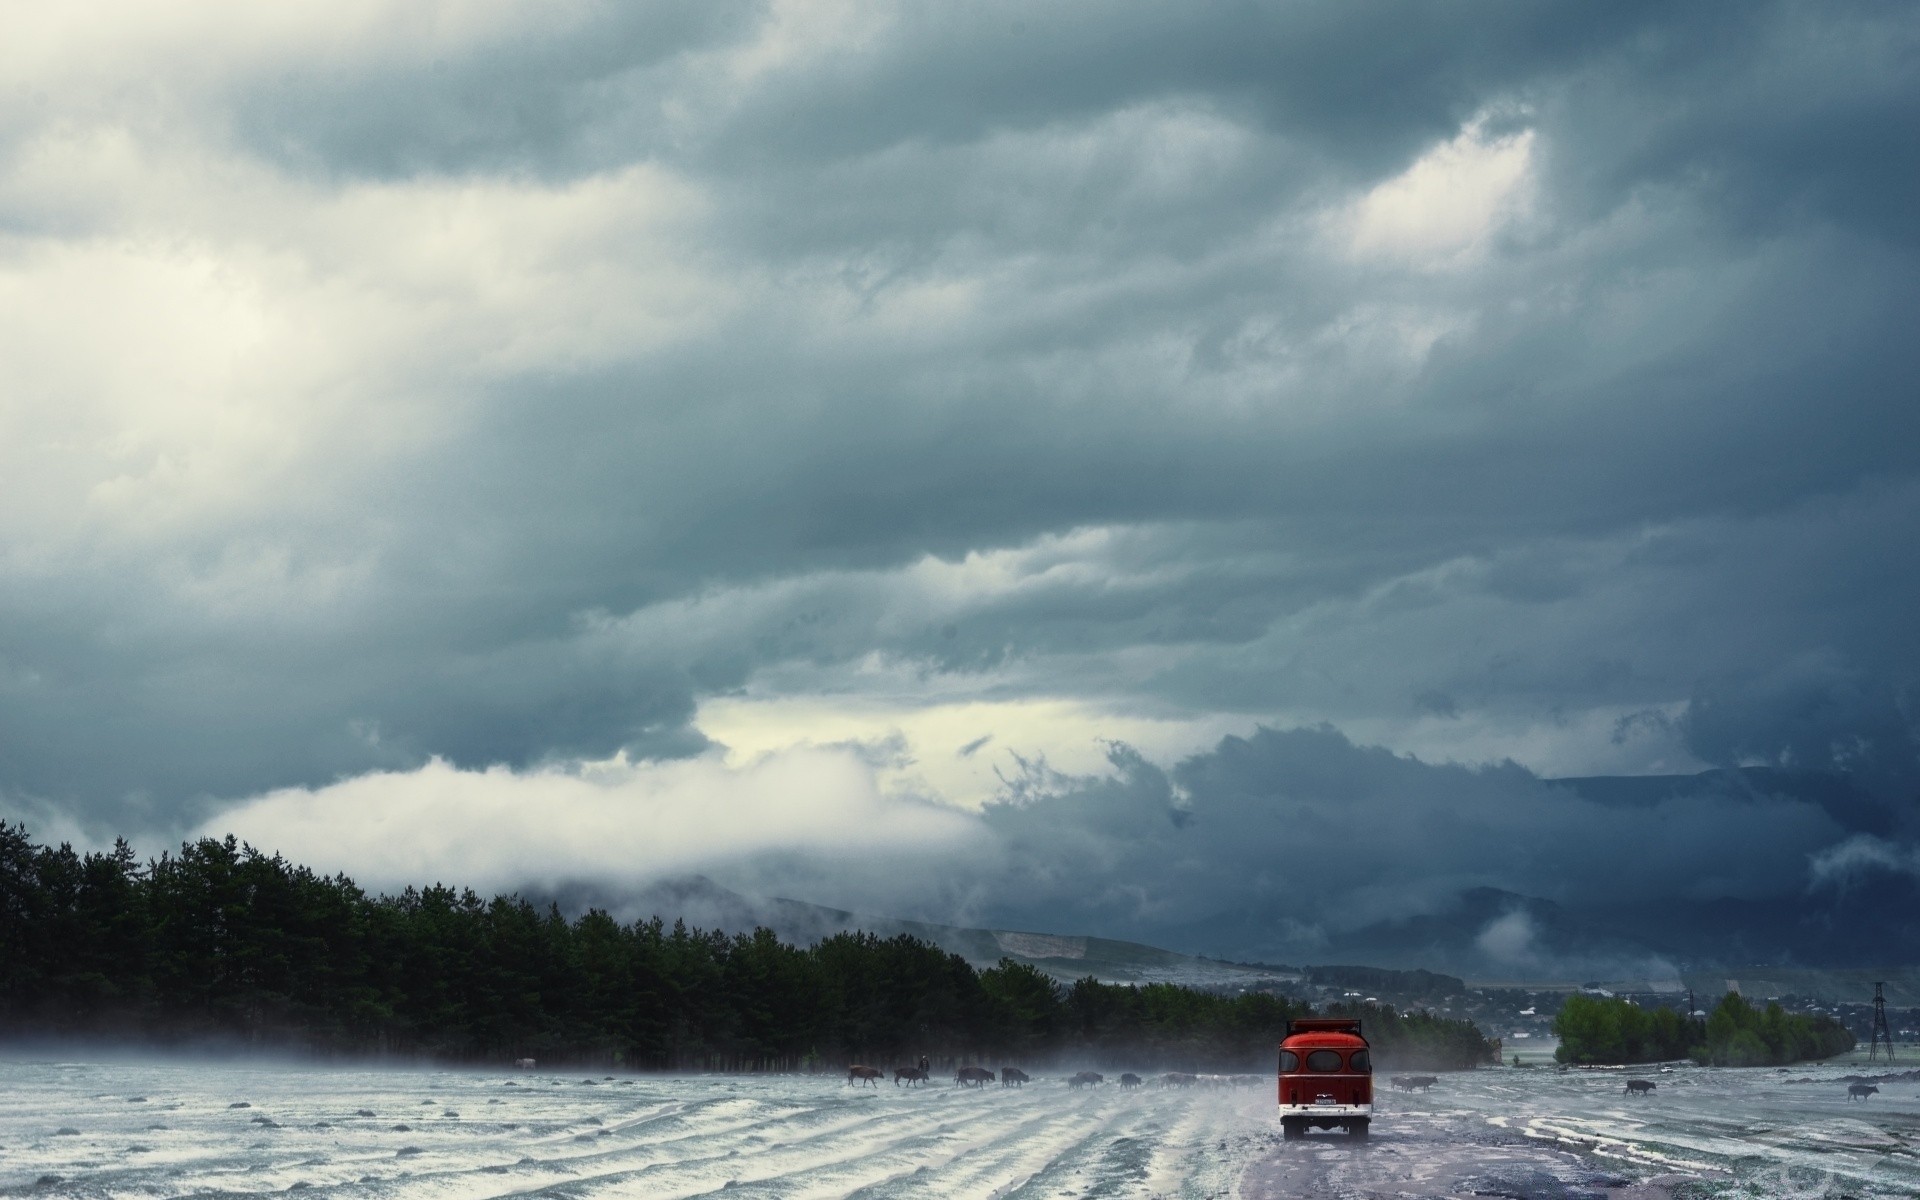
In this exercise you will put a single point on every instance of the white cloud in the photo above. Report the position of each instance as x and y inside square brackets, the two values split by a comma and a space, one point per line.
[1509, 938]
[1446, 207]
[1862, 854]
[616, 820]
[930, 734]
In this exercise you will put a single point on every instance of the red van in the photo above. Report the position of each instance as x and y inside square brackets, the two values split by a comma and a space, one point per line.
[1326, 1077]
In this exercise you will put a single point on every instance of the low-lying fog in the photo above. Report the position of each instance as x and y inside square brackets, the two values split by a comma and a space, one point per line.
[159, 1129]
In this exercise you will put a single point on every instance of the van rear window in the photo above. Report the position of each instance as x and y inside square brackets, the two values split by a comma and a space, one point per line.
[1289, 1061]
[1323, 1060]
[1359, 1062]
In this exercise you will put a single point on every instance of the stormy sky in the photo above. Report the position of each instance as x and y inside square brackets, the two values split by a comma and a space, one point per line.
[938, 456]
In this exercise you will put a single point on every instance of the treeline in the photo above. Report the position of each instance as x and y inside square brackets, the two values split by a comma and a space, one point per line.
[220, 942]
[1596, 1029]
[1605, 1029]
[1740, 1035]
[1419, 1040]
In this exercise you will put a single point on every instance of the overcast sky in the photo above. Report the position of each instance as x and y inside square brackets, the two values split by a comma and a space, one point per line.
[687, 432]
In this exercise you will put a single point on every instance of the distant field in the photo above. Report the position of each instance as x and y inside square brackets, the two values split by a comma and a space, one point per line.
[1906, 1057]
[1849, 986]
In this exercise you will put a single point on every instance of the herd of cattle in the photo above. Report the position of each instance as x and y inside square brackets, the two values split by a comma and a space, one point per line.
[1855, 1091]
[1015, 1077]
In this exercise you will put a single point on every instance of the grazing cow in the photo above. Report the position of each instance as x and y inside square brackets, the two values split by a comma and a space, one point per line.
[1129, 1080]
[1178, 1079]
[1860, 1091]
[1414, 1083]
[1013, 1077]
[1086, 1079]
[972, 1077]
[908, 1075]
[867, 1075]
[1638, 1087]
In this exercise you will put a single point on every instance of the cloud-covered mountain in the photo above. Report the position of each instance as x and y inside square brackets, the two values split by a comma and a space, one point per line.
[1284, 846]
[1300, 846]
[703, 904]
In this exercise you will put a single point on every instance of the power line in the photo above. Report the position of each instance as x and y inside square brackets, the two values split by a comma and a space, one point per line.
[1880, 1032]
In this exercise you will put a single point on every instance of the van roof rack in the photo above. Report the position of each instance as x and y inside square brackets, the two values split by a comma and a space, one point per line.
[1323, 1025]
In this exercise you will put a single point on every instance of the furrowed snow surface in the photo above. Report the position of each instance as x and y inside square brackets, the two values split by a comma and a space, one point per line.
[174, 1129]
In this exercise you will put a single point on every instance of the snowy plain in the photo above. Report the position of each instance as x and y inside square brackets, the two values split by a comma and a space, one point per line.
[178, 1129]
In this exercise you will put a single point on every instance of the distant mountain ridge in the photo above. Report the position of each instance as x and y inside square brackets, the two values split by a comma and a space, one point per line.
[1836, 927]
[702, 903]
[1630, 938]
[1838, 795]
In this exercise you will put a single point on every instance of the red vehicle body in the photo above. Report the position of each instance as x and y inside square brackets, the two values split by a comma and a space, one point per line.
[1326, 1077]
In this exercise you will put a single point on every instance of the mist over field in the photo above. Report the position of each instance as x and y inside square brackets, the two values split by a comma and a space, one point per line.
[74, 1127]
[1302, 483]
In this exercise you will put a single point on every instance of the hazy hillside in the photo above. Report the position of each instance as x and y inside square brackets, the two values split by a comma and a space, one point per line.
[701, 902]
[1482, 933]
[1488, 932]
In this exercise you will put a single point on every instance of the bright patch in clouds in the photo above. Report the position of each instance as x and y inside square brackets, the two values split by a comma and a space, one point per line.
[1447, 206]
[960, 752]
[632, 821]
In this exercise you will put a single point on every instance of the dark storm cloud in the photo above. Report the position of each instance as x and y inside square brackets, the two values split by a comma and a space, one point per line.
[537, 101]
[1296, 845]
[1041, 351]
[1817, 713]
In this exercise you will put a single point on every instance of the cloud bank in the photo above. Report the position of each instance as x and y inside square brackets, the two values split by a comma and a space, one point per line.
[403, 391]
[629, 823]
[1285, 845]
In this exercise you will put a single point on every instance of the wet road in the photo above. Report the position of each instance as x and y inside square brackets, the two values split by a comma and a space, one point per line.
[1542, 1134]
[1441, 1155]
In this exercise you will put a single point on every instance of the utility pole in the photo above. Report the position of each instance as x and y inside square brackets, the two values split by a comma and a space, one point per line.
[1880, 1032]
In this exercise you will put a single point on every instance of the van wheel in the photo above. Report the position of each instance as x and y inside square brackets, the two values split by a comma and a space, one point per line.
[1358, 1130]
[1291, 1129]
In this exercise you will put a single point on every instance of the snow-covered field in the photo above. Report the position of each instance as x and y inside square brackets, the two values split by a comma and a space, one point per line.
[172, 1130]
[109, 1129]
[1761, 1130]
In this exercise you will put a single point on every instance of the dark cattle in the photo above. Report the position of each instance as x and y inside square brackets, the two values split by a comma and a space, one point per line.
[1638, 1087]
[972, 1077]
[1086, 1079]
[866, 1075]
[1177, 1079]
[908, 1076]
[1414, 1083]
[1860, 1091]
[1012, 1077]
[1129, 1080]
